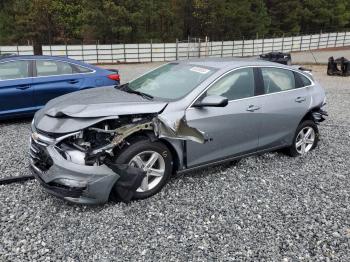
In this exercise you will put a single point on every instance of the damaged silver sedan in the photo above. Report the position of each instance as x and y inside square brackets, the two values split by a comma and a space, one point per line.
[125, 142]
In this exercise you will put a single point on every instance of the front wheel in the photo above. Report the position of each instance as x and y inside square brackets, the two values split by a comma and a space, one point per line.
[154, 158]
[305, 139]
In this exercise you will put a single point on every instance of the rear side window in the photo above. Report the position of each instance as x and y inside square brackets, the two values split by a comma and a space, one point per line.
[277, 80]
[50, 68]
[236, 85]
[14, 70]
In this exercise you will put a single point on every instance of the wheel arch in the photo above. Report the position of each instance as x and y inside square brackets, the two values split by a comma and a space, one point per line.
[177, 151]
[312, 115]
[315, 114]
[175, 146]
[307, 116]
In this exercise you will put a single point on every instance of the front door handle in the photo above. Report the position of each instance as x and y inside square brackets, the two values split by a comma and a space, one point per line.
[23, 87]
[300, 99]
[252, 108]
[74, 81]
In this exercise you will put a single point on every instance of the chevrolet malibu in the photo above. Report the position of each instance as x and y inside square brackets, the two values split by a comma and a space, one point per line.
[125, 142]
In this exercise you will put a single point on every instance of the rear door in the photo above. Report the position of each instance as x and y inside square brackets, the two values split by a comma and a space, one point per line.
[284, 104]
[53, 79]
[231, 130]
[16, 92]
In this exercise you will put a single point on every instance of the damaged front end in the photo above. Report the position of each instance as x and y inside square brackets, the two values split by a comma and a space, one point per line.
[319, 115]
[80, 166]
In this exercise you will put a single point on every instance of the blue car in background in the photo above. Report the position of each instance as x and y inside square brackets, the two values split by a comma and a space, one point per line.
[27, 83]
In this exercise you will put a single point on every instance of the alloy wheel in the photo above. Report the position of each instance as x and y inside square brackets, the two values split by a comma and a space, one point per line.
[305, 140]
[153, 164]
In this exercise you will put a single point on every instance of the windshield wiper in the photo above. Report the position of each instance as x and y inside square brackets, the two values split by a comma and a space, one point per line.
[122, 87]
[125, 87]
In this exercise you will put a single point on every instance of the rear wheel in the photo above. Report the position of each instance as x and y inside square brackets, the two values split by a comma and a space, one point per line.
[305, 139]
[154, 158]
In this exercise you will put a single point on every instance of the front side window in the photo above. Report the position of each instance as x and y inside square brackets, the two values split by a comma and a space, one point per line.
[171, 81]
[14, 70]
[277, 80]
[236, 85]
[50, 68]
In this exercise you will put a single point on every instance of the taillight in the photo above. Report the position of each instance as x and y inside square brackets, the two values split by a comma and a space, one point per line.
[115, 77]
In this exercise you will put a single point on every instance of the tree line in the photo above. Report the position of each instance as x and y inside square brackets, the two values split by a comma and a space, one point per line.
[131, 21]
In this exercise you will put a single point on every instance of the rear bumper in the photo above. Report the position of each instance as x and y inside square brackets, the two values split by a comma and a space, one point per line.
[70, 181]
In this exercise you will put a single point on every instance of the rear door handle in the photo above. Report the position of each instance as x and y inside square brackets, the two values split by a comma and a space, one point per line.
[74, 81]
[252, 108]
[23, 87]
[300, 99]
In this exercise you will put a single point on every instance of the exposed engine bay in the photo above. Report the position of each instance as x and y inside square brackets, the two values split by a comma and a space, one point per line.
[96, 144]
[92, 145]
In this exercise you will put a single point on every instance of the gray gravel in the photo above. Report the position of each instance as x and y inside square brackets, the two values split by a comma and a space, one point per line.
[269, 207]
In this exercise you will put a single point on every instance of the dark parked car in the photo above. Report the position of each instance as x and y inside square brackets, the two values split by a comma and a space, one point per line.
[27, 83]
[181, 116]
[278, 57]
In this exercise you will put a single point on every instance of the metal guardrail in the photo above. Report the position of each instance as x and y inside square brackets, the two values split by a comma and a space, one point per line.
[191, 48]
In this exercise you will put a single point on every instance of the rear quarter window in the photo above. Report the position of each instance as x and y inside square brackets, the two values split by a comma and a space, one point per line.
[81, 69]
[301, 80]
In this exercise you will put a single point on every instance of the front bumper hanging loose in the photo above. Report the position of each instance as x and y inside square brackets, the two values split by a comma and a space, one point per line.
[80, 183]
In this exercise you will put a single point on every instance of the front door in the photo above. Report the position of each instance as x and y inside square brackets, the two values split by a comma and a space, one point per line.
[231, 130]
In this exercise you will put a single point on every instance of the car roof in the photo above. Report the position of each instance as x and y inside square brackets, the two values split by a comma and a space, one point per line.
[42, 57]
[229, 63]
[4, 55]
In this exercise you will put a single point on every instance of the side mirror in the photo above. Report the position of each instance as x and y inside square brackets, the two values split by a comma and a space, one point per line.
[212, 101]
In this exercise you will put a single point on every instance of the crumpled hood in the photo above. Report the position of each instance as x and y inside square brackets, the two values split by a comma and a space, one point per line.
[101, 102]
[78, 110]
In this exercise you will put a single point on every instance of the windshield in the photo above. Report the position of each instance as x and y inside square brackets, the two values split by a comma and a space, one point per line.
[171, 81]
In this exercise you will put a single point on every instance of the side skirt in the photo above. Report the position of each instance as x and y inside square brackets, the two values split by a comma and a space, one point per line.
[216, 162]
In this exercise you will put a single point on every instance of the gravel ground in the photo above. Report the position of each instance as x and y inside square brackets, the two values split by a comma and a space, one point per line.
[268, 207]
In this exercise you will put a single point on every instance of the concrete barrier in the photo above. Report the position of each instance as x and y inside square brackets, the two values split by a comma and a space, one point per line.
[319, 56]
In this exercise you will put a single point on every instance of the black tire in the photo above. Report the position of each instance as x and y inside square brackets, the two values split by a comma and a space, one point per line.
[292, 150]
[141, 145]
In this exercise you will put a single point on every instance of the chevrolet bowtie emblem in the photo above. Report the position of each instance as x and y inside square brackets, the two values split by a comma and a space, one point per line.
[35, 136]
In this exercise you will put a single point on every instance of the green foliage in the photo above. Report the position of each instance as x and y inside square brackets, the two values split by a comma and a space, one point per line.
[104, 20]
[229, 19]
[61, 21]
